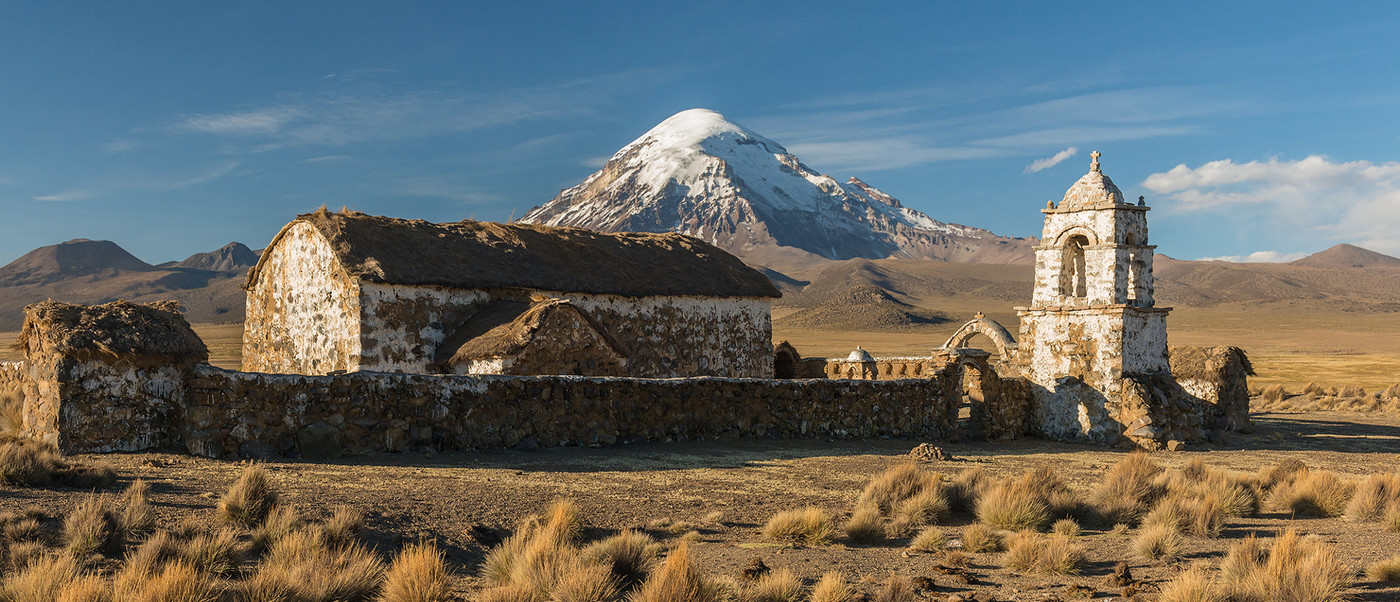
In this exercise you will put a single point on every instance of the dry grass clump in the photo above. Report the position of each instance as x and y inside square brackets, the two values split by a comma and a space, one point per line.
[1318, 493]
[1129, 489]
[930, 539]
[138, 516]
[91, 527]
[1384, 570]
[43, 580]
[343, 527]
[810, 525]
[896, 485]
[927, 507]
[25, 463]
[1158, 542]
[249, 499]
[1196, 584]
[1013, 505]
[1028, 551]
[1066, 527]
[630, 556]
[966, 487]
[1244, 558]
[175, 582]
[978, 537]
[913, 497]
[1298, 568]
[1391, 519]
[282, 520]
[865, 526]
[1272, 394]
[23, 529]
[1237, 493]
[1376, 493]
[21, 555]
[1285, 470]
[679, 580]
[776, 586]
[303, 567]
[832, 587]
[897, 588]
[1199, 516]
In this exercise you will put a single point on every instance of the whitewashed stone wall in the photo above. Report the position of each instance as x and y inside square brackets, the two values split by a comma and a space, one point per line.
[403, 326]
[303, 313]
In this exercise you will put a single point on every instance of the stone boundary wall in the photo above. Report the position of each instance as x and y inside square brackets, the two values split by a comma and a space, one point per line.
[267, 415]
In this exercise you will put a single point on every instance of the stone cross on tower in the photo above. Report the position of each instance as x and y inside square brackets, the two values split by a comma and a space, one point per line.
[1094, 163]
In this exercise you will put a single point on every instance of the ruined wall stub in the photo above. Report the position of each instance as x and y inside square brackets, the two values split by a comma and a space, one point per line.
[303, 311]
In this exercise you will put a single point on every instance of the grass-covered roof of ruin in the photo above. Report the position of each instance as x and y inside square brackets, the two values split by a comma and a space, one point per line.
[116, 331]
[505, 328]
[472, 254]
[1208, 363]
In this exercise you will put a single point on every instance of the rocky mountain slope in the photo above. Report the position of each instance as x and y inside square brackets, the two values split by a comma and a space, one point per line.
[702, 175]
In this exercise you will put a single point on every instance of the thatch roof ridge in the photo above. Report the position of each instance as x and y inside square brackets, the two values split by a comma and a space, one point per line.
[120, 330]
[473, 254]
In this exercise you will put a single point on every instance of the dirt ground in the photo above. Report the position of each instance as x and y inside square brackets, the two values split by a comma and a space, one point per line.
[409, 497]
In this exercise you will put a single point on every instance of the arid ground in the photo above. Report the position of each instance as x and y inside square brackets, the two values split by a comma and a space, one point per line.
[727, 490]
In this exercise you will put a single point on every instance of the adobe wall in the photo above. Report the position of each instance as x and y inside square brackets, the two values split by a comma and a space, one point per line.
[367, 412]
[303, 313]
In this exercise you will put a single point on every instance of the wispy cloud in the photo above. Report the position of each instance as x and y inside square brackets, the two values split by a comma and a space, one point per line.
[1258, 257]
[1040, 165]
[450, 187]
[902, 128]
[1357, 201]
[120, 146]
[66, 196]
[374, 113]
[326, 159]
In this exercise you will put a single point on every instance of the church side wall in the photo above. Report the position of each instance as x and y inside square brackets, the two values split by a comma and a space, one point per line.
[404, 325]
[303, 313]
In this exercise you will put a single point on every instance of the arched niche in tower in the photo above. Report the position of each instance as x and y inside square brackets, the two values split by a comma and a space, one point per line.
[1074, 281]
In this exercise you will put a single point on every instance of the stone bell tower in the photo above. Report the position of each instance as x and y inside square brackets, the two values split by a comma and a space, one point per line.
[1092, 321]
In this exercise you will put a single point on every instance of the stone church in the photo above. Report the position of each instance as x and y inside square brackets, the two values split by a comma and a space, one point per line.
[345, 291]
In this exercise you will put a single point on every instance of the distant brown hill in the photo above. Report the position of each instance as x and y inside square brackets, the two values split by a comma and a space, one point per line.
[98, 271]
[1347, 256]
[861, 307]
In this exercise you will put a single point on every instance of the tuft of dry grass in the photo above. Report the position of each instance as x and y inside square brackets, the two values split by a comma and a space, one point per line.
[955, 558]
[1373, 496]
[966, 487]
[138, 516]
[90, 527]
[1013, 505]
[930, 539]
[1158, 542]
[679, 580]
[1391, 519]
[1028, 551]
[898, 484]
[776, 586]
[865, 525]
[177, 581]
[1384, 570]
[43, 580]
[23, 529]
[1066, 527]
[630, 556]
[418, 574]
[978, 537]
[343, 527]
[584, 582]
[1298, 568]
[808, 525]
[217, 553]
[1129, 489]
[1196, 584]
[25, 463]
[832, 587]
[302, 567]
[282, 520]
[927, 507]
[1319, 493]
[1244, 558]
[249, 499]
[897, 588]
[24, 554]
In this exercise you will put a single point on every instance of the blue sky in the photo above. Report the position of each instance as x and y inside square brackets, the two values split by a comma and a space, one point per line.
[1253, 128]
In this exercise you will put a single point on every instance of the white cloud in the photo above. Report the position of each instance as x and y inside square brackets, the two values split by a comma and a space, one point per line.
[869, 155]
[1354, 201]
[65, 196]
[119, 146]
[1258, 257]
[1051, 161]
[248, 123]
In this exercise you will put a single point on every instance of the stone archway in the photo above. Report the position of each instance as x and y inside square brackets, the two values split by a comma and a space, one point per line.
[786, 361]
[1001, 338]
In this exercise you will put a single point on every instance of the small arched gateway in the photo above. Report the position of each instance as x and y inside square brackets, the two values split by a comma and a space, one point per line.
[1001, 338]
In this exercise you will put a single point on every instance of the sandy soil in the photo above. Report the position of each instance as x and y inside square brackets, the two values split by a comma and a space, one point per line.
[409, 497]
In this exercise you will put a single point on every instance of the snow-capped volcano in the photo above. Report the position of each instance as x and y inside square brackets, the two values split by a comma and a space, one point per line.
[700, 174]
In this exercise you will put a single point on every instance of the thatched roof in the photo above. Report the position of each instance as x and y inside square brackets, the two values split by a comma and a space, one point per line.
[472, 254]
[1207, 363]
[505, 328]
[120, 330]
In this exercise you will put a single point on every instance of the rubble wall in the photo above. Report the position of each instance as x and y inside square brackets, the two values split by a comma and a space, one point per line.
[232, 412]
